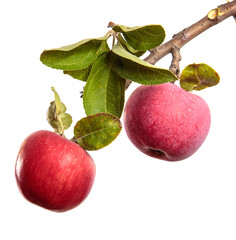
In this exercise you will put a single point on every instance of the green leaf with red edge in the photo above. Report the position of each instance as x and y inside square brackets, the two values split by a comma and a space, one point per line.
[198, 77]
[97, 131]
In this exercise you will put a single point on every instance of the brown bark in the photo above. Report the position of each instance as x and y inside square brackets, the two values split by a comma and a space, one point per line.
[174, 45]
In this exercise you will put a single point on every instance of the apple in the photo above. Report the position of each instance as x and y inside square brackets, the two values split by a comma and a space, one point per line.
[166, 122]
[53, 172]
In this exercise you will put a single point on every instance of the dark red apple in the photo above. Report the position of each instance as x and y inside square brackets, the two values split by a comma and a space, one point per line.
[166, 122]
[53, 172]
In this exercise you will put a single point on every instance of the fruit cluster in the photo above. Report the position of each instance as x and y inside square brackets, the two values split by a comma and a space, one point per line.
[161, 119]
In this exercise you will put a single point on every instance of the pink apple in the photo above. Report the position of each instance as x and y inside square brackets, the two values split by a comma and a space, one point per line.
[166, 122]
[53, 172]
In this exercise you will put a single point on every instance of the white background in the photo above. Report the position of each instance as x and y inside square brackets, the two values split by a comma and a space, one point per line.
[134, 196]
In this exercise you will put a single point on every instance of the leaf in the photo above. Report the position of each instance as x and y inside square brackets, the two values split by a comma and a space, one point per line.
[142, 38]
[104, 90]
[131, 67]
[81, 74]
[104, 46]
[97, 131]
[66, 119]
[75, 56]
[198, 77]
[128, 48]
[56, 115]
[60, 107]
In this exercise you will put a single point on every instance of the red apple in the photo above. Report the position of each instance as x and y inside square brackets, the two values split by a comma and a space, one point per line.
[166, 122]
[53, 172]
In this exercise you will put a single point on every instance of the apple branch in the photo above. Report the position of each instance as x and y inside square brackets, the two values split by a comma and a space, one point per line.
[174, 45]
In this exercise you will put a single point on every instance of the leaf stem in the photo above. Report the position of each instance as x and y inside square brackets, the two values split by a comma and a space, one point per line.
[113, 34]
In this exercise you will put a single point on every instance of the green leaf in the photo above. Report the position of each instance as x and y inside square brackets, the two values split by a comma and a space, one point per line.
[81, 74]
[142, 38]
[60, 107]
[75, 56]
[128, 48]
[66, 119]
[56, 115]
[96, 131]
[198, 77]
[104, 90]
[131, 67]
[104, 46]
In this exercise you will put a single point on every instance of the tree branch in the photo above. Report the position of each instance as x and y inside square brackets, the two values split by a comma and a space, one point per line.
[174, 45]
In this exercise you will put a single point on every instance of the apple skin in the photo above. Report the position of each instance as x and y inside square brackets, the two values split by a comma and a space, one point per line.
[166, 122]
[53, 172]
